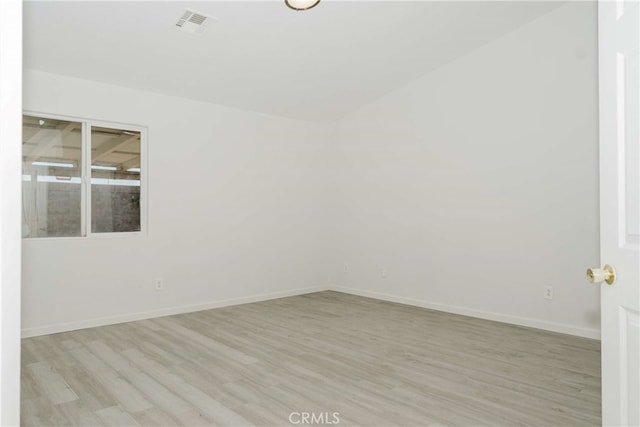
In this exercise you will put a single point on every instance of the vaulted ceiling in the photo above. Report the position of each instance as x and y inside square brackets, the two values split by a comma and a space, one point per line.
[316, 65]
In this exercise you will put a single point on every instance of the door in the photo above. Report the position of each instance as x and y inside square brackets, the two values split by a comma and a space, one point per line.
[619, 51]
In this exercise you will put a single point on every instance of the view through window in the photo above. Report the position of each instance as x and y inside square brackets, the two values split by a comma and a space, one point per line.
[57, 201]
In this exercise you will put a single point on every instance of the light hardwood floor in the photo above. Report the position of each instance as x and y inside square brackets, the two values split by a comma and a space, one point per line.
[375, 363]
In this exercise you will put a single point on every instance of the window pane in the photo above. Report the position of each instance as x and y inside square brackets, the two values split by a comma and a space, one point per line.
[51, 170]
[115, 180]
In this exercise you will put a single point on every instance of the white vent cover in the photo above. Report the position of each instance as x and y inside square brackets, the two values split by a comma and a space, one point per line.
[192, 22]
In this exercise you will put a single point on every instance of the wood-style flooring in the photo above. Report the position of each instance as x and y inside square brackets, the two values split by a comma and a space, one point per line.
[373, 363]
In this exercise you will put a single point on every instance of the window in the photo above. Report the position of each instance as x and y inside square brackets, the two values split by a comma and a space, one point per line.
[58, 158]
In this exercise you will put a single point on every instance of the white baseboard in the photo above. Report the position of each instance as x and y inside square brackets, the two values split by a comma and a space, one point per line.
[498, 317]
[169, 311]
[514, 320]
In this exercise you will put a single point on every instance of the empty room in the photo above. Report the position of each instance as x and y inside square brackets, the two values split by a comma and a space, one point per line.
[303, 212]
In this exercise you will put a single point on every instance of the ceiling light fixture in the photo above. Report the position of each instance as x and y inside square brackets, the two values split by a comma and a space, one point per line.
[301, 4]
[53, 164]
[104, 168]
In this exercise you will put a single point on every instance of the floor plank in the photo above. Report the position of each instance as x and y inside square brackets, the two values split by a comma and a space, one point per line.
[375, 363]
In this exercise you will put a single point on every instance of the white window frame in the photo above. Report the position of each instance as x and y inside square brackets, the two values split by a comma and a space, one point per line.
[85, 175]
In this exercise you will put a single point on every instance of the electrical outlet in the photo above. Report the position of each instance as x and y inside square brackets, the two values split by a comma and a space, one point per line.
[383, 272]
[345, 267]
[159, 284]
[548, 292]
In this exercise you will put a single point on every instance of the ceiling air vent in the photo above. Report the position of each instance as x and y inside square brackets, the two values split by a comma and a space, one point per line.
[193, 22]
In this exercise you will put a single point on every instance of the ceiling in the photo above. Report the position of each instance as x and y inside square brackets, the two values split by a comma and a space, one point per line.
[315, 65]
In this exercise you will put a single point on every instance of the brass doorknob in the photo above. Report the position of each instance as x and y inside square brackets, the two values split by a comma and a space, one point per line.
[604, 274]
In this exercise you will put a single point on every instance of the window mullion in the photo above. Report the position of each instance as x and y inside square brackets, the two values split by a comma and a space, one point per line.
[86, 178]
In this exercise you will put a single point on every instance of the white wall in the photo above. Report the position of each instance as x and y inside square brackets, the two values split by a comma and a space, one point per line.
[10, 154]
[473, 187]
[476, 185]
[234, 212]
